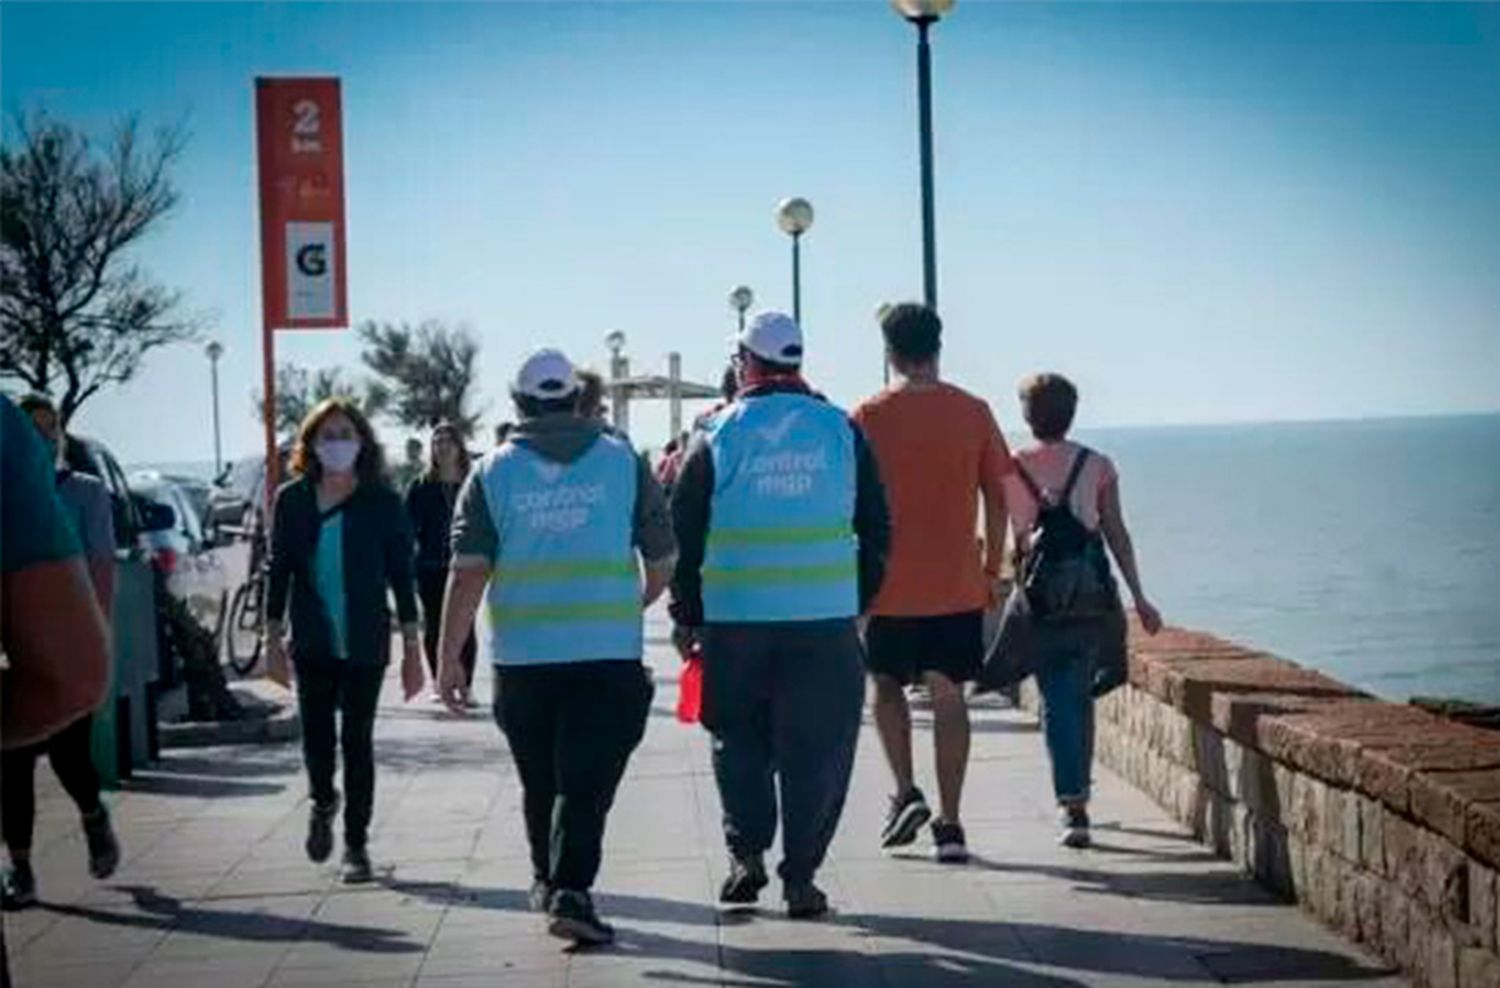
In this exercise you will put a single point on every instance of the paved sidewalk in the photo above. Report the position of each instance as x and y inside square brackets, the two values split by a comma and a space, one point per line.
[215, 892]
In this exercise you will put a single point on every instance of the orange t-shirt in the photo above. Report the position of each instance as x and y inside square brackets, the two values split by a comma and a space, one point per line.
[938, 447]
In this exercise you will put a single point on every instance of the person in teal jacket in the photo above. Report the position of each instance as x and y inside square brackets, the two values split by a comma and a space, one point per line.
[783, 530]
[573, 528]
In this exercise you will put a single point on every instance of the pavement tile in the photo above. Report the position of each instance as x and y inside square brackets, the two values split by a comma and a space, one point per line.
[216, 892]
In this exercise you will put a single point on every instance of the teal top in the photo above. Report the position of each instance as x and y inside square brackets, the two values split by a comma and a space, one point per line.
[328, 578]
[34, 523]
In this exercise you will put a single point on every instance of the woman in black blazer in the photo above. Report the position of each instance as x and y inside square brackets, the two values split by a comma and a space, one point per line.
[339, 540]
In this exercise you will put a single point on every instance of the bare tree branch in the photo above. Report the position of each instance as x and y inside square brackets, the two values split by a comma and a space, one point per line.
[74, 313]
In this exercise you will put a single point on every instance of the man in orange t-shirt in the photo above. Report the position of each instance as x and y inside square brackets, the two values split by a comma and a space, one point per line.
[940, 453]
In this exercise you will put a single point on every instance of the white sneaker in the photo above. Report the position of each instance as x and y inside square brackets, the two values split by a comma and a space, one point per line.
[1074, 822]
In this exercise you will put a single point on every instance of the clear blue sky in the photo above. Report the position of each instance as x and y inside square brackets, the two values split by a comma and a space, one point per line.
[1202, 212]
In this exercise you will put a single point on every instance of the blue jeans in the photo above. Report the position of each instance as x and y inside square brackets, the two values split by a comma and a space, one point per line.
[1064, 674]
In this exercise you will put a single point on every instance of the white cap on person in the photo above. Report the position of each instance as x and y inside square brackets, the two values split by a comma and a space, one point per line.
[773, 336]
[546, 374]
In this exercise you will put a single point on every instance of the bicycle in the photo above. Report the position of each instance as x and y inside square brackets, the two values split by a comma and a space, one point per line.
[247, 612]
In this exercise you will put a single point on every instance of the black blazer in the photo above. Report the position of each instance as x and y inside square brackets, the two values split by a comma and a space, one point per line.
[377, 555]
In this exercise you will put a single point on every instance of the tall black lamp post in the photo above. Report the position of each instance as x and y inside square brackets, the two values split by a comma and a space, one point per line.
[924, 14]
[740, 299]
[795, 217]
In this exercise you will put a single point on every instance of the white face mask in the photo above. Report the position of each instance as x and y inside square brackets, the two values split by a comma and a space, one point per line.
[337, 455]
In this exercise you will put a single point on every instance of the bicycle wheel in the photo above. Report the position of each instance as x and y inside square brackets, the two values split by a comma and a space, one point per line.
[243, 633]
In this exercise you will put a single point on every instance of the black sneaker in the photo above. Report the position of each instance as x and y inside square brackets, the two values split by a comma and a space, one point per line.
[948, 844]
[907, 814]
[747, 876]
[320, 830]
[805, 900]
[540, 896]
[104, 846]
[357, 869]
[1075, 827]
[574, 918]
[19, 887]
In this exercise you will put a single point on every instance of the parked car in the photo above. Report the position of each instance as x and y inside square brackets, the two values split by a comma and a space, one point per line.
[232, 492]
[198, 494]
[183, 552]
[93, 458]
[239, 493]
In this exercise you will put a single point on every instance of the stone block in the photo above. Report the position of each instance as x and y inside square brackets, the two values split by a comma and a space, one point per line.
[1268, 855]
[1192, 684]
[1220, 823]
[1366, 893]
[1482, 905]
[1238, 715]
[1403, 855]
[1395, 925]
[1308, 809]
[1209, 759]
[1444, 877]
[1326, 740]
[1478, 969]
[1386, 771]
[1340, 823]
[1285, 780]
[1434, 951]
[1333, 888]
[1371, 835]
[1441, 799]
[1482, 832]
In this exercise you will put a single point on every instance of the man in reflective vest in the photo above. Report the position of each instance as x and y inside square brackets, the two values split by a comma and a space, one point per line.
[550, 534]
[783, 530]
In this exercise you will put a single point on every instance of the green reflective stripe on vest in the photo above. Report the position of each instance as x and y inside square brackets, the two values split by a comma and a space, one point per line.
[779, 535]
[752, 575]
[541, 613]
[539, 572]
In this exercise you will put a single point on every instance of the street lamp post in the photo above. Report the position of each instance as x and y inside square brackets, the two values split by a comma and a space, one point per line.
[924, 14]
[795, 217]
[619, 370]
[215, 350]
[740, 299]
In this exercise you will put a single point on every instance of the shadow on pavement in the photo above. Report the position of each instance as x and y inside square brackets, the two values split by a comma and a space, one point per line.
[164, 912]
[1161, 886]
[970, 951]
[159, 783]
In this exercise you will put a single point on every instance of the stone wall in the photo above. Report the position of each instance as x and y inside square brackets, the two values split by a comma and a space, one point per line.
[1381, 820]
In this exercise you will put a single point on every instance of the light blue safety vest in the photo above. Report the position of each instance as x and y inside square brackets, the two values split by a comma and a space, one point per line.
[565, 586]
[781, 543]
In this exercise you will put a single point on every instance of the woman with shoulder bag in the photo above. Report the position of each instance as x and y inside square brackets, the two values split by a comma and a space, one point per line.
[339, 541]
[1065, 509]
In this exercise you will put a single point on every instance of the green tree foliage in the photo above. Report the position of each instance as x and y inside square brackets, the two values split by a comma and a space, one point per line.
[428, 371]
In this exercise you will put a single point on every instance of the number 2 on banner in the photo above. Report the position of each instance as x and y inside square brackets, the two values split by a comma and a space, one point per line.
[307, 129]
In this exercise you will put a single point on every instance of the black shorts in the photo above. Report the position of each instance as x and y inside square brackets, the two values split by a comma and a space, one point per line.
[903, 648]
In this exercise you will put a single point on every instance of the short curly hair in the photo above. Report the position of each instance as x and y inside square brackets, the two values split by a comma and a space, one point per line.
[1048, 401]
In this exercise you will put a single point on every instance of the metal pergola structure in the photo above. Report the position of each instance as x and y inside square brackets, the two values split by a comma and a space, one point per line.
[624, 388]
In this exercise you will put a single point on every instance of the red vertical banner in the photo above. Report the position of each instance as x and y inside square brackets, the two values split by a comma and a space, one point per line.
[300, 149]
[299, 143]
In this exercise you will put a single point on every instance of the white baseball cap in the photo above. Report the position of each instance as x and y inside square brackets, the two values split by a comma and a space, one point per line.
[546, 374]
[773, 336]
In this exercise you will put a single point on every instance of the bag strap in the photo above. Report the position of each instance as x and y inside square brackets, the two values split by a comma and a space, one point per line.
[1073, 475]
[1030, 482]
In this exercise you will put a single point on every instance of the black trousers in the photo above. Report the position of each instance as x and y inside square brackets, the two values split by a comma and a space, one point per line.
[71, 753]
[783, 702]
[431, 582]
[571, 729]
[336, 689]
